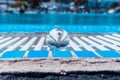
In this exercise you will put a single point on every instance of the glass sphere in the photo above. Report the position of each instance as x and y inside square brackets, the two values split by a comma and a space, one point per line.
[57, 39]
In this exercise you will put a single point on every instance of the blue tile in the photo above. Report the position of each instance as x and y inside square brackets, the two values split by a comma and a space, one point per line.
[13, 54]
[109, 54]
[85, 54]
[38, 54]
[61, 54]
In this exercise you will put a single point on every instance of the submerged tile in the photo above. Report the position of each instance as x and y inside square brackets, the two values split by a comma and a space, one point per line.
[109, 54]
[61, 54]
[85, 54]
[13, 54]
[38, 54]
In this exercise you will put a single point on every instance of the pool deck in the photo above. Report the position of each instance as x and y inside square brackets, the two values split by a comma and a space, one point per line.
[59, 66]
[98, 44]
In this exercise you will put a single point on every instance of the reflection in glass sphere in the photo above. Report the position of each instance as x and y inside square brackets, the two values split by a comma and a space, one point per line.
[57, 39]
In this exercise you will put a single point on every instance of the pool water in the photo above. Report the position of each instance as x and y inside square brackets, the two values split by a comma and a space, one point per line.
[61, 19]
[87, 23]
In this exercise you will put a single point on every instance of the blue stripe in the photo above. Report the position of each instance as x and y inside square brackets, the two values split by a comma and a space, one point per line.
[38, 54]
[109, 54]
[13, 54]
[61, 54]
[85, 54]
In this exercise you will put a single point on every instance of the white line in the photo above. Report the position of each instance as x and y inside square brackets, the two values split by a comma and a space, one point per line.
[97, 54]
[117, 35]
[5, 39]
[105, 43]
[94, 43]
[112, 37]
[109, 40]
[74, 46]
[14, 46]
[1, 37]
[73, 54]
[40, 44]
[87, 47]
[49, 53]
[27, 45]
[26, 54]
[9, 42]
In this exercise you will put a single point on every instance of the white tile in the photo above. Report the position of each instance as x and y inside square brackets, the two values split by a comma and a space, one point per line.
[105, 43]
[5, 39]
[86, 46]
[17, 44]
[94, 43]
[28, 44]
[74, 46]
[40, 44]
[9, 42]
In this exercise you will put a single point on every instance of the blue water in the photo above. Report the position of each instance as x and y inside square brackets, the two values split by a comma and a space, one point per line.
[61, 19]
[87, 23]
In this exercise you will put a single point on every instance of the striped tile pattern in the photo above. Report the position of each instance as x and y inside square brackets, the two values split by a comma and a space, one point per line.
[97, 45]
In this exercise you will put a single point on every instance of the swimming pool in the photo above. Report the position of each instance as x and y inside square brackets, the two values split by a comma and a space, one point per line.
[91, 45]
